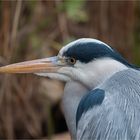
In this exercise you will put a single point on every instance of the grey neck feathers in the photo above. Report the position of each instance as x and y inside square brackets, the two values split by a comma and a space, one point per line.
[73, 93]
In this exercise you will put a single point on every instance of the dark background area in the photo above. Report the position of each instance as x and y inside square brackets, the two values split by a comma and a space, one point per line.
[30, 105]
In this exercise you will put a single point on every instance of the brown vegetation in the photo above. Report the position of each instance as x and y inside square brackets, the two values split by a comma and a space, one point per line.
[35, 29]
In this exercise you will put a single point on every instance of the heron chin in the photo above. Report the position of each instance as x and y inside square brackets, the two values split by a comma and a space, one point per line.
[101, 97]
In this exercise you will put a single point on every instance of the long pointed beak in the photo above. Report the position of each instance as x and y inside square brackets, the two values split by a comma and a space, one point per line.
[33, 66]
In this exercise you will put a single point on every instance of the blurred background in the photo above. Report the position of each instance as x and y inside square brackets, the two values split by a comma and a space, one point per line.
[30, 106]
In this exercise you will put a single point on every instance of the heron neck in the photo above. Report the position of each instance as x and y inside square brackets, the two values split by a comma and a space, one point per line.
[73, 93]
[100, 70]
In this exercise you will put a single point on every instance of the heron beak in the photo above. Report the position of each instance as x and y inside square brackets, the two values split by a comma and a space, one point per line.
[34, 66]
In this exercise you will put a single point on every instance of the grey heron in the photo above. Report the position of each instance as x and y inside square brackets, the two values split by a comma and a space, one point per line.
[101, 98]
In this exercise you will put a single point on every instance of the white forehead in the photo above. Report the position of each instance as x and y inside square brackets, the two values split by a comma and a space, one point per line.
[80, 41]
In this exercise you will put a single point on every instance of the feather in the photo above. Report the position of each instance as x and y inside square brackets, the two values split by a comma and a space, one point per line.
[117, 116]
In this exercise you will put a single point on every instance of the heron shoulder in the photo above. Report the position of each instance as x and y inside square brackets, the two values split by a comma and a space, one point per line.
[95, 97]
[114, 110]
[121, 80]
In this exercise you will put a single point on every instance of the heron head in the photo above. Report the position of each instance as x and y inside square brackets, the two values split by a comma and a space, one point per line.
[85, 60]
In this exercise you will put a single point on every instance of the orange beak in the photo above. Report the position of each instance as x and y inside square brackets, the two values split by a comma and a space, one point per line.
[33, 66]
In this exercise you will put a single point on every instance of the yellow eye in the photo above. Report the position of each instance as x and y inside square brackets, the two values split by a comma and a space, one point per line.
[72, 61]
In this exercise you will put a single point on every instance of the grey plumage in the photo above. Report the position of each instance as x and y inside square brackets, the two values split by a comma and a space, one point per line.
[118, 117]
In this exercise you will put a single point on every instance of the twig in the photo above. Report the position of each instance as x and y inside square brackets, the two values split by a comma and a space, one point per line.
[9, 126]
[62, 22]
[5, 28]
[35, 130]
[15, 24]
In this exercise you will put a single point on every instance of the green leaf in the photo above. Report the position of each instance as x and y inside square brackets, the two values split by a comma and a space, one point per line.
[74, 10]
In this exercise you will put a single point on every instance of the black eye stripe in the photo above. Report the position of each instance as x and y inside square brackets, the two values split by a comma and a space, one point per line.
[88, 51]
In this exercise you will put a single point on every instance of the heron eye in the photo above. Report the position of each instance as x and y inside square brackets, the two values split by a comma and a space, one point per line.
[72, 60]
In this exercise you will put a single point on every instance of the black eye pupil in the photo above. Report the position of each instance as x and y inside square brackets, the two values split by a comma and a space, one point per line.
[72, 60]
